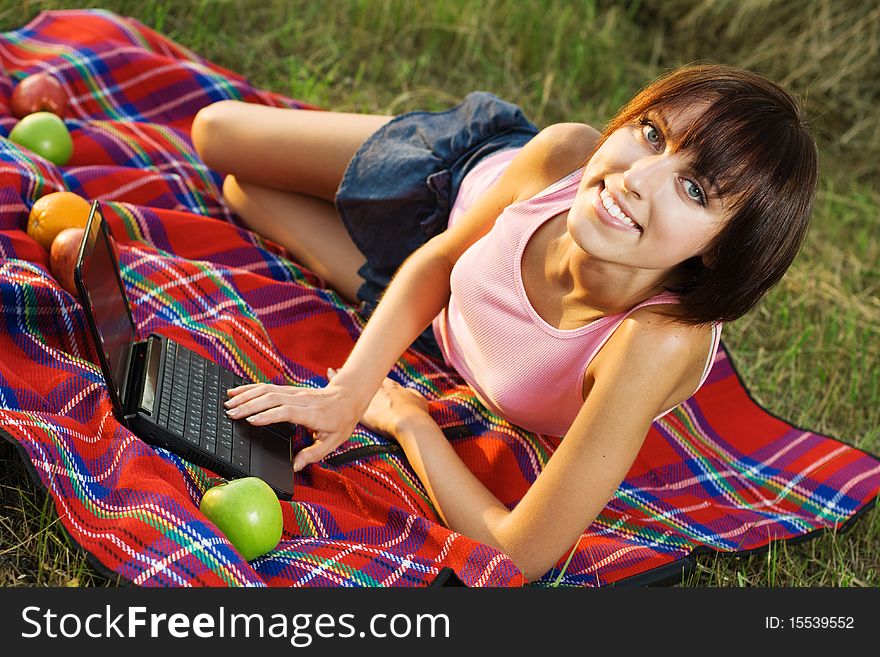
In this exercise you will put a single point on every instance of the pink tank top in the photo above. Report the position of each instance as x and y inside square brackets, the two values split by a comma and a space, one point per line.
[522, 368]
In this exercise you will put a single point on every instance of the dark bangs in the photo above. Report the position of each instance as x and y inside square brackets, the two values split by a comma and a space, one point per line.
[750, 143]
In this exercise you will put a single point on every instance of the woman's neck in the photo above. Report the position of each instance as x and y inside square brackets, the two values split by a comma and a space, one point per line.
[606, 287]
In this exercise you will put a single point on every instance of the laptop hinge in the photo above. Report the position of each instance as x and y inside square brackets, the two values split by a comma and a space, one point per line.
[131, 392]
[151, 376]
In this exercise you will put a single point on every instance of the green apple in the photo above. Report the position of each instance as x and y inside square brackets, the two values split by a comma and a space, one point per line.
[247, 511]
[45, 134]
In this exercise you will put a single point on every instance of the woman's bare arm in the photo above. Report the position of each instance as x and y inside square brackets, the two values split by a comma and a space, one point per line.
[416, 294]
[639, 372]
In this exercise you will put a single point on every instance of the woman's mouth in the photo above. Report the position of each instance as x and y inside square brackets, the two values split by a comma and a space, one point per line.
[610, 213]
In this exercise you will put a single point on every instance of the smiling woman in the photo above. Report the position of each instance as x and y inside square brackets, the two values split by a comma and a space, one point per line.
[746, 138]
[597, 268]
[639, 183]
[809, 351]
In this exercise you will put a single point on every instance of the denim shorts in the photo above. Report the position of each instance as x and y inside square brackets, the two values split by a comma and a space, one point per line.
[400, 186]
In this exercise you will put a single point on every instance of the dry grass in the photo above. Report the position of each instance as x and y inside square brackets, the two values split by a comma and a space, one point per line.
[824, 51]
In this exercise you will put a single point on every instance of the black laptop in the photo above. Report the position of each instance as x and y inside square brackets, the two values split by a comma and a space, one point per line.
[166, 394]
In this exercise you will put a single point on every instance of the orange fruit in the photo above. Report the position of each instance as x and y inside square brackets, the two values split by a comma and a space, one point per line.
[53, 213]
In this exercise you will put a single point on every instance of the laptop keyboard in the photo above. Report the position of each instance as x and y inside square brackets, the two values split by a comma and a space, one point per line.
[192, 406]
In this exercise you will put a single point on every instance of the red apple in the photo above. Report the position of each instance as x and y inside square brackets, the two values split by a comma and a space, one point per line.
[248, 513]
[62, 257]
[37, 93]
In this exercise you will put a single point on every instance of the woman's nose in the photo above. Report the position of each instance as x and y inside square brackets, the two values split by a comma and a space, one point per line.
[642, 174]
[631, 184]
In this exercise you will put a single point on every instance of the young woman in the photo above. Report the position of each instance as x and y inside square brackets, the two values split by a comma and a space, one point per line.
[576, 280]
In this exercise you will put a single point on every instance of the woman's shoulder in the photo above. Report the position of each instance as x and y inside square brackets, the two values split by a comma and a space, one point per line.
[656, 329]
[672, 353]
[568, 140]
[554, 153]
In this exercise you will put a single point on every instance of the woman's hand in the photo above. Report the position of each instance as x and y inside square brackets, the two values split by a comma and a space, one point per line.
[393, 407]
[331, 413]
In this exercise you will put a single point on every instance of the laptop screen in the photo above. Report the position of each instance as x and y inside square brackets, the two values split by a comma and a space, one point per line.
[106, 301]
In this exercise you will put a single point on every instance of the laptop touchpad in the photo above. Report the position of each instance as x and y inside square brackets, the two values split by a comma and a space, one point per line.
[271, 460]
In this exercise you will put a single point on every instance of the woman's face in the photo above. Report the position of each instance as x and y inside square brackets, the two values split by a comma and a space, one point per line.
[639, 203]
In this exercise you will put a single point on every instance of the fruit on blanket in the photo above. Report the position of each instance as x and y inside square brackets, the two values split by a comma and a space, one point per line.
[46, 135]
[247, 511]
[53, 213]
[62, 256]
[38, 93]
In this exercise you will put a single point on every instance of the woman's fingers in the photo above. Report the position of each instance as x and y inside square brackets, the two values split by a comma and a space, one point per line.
[270, 416]
[315, 452]
[271, 408]
[240, 408]
[329, 415]
[232, 392]
[242, 394]
[306, 407]
[250, 401]
[303, 416]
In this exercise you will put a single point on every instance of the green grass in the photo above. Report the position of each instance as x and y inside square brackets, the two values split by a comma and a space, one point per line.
[809, 352]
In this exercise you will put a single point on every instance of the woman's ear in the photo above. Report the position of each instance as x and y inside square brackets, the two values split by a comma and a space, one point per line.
[708, 258]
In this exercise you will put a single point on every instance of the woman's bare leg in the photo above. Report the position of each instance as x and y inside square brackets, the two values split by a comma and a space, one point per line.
[283, 169]
[308, 227]
[303, 151]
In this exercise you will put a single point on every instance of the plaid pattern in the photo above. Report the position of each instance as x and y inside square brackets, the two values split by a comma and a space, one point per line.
[717, 474]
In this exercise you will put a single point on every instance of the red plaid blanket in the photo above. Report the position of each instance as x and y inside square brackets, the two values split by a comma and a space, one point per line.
[718, 474]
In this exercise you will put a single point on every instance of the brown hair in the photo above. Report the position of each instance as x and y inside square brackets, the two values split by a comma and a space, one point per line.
[752, 143]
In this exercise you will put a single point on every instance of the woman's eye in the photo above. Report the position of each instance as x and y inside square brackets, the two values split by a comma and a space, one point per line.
[651, 134]
[694, 192]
